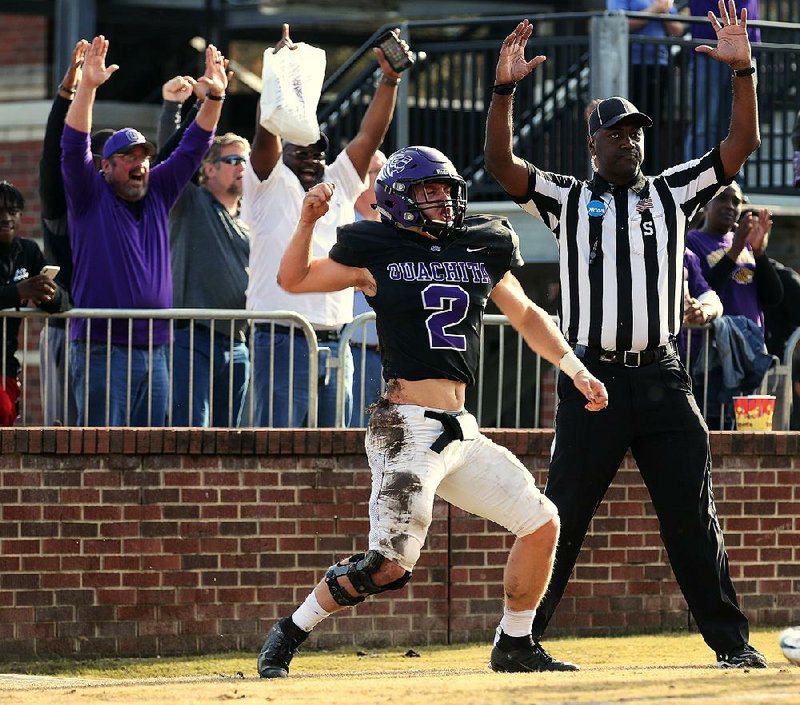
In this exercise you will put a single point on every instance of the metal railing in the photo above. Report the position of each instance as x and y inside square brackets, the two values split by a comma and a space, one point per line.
[29, 355]
[515, 388]
[443, 98]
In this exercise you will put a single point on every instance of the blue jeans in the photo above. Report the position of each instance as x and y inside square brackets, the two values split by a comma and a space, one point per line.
[226, 366]
[278, 391]
[115, 393]
[710, 91]
[371, 385]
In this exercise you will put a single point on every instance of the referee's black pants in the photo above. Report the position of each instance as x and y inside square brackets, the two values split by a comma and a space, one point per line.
[652, 411]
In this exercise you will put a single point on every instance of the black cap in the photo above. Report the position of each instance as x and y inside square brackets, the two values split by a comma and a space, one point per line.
[610, 111]
[99, 139]
[323, 142]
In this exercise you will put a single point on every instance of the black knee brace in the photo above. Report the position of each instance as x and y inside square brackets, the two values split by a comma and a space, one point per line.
[359, 569]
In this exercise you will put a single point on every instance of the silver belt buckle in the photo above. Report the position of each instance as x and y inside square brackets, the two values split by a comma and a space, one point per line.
[635, 355]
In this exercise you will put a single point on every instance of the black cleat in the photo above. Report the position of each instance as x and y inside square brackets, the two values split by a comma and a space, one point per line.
[281, 645]
[530, 659]
[743, 657]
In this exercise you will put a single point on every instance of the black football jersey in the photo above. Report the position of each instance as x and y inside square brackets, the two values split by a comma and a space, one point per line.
[431, 293]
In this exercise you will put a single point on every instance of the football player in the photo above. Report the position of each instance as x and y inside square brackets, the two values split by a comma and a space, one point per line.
[427, 270]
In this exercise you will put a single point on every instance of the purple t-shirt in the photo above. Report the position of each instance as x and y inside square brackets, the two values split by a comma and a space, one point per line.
[704, 30]
[697, 285]
[121, 261]
[739, 295]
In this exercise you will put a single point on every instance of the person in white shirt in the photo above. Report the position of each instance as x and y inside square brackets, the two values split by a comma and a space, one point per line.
[364, 342]
[275, 182]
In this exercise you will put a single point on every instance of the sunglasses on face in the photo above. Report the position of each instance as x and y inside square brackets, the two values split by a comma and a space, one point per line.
[232, 159]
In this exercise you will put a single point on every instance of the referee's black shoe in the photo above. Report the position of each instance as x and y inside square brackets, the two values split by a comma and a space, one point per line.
[743, 657]
[281, 645]
[526, 655]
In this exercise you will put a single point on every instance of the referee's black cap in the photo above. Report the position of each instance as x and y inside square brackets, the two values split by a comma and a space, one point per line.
[610, 111]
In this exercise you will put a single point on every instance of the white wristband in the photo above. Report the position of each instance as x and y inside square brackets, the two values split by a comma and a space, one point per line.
[570, 365]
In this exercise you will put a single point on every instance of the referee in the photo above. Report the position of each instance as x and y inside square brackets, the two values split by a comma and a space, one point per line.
[621, 239]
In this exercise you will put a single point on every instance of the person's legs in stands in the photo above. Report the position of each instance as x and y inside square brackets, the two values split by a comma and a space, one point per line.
[326, 414]
[93, 396]
[271, 379]
[229, 398]
[186, 366]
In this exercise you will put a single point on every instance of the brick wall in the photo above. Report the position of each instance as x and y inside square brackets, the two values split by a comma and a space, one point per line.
[141, 542]
[24, 39]
[19, 164]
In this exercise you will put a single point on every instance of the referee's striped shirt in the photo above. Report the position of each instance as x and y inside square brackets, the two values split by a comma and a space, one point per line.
[621, 269]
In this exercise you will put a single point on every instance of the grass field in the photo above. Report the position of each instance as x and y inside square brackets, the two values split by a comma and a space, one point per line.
[652, 669]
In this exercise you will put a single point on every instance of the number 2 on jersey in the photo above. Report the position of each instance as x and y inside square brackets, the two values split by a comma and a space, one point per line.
[449, 304]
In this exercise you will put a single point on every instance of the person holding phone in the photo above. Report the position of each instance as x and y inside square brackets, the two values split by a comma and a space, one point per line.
[276, 180]
[22, 283]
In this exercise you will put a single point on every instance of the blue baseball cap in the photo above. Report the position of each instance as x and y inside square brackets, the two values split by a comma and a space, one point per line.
[124, 140]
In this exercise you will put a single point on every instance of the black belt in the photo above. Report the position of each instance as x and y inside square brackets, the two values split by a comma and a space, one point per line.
[629, 358]
[324, 336]
[451, 430]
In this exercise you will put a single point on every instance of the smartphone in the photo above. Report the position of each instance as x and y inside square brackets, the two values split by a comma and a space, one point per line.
[389, 44]
[50, 271]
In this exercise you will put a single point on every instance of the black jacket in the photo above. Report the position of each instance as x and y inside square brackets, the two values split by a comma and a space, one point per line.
[21, 260]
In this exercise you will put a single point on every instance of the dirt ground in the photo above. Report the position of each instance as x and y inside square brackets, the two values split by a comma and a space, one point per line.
[649, 670]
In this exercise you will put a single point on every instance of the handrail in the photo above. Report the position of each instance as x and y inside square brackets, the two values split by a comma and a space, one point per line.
[334, 363]
[202, 314]
[545, 17]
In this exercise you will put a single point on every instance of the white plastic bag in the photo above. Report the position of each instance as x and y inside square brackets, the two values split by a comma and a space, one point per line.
[292, 84]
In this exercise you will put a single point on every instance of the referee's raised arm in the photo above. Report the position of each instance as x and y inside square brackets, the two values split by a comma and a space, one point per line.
[733, 48]
[509, 170]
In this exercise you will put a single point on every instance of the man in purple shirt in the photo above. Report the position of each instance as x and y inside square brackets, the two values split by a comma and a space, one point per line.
[732, 254]
[118, 225]
[710, 82]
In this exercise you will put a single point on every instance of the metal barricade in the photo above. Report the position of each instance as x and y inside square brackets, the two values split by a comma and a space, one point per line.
[514, 388]
[33, 321]
[503, 397]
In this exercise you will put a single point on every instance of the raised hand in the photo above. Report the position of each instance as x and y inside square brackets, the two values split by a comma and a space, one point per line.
[284, 41]
[742, 233]
[733, 44]
[512, 66]
[215, 78]
[759, 232]
[74, 72]
[383, 62]
[178, 89]
[316, 202]
[95, 71]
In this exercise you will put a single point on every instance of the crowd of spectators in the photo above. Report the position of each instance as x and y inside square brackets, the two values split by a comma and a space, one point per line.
[197, 220]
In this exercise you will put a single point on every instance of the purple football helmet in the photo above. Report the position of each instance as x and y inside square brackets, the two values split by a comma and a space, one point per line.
[418, 165]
